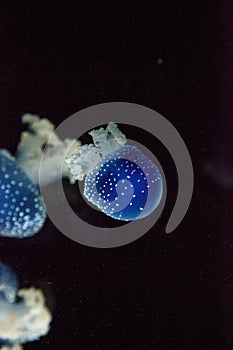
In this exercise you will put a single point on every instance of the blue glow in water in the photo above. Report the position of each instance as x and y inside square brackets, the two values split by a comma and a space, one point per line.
[22, 212]
[8, 283]
[125, 185]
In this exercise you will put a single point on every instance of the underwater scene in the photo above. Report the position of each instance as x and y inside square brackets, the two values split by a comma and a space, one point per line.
[115, 176]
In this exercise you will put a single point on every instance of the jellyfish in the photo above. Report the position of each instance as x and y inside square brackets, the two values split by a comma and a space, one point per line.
[22, 211]
[24, 317]
[119, 179]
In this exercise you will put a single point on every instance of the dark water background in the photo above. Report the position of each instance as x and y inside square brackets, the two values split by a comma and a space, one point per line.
[162, 292]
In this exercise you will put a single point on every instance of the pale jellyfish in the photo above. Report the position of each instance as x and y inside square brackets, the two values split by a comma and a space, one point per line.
[119, 179]
[22, 212]
[25, 319]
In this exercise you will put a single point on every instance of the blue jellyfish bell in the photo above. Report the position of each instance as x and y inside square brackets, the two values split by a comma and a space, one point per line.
[119, 179]
[22, 213]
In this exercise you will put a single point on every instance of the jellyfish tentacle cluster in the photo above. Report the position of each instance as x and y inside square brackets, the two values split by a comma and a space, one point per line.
[87, 157]
[23, 320]
[31, 147]
[119, 179]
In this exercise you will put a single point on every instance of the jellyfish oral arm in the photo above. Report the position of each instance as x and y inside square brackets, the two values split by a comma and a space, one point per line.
[109, 139]
[40, 139]
[87, 157]
[26, 320]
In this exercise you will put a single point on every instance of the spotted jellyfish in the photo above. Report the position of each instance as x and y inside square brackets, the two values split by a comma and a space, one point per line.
[22, 211]
[119, 179]
[24, 317]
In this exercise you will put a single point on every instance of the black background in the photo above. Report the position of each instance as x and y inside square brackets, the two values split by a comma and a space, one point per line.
[163, 291]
